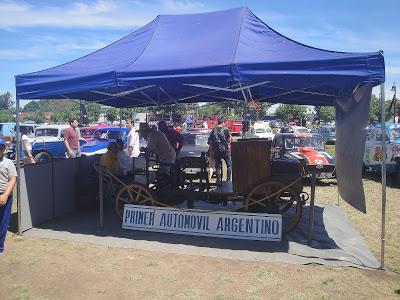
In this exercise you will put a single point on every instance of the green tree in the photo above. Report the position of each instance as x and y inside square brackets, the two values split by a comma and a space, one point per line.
[93, 111]
[112, 114]
[6, 102]
[289, 112]
[32, 106]
[324, 113]
[38, 117]
[6, 116]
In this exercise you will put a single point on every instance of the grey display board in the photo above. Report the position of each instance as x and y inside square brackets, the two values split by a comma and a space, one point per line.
[47, 191]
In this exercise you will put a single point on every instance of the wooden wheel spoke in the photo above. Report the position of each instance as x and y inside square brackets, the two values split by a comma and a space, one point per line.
[138, 195]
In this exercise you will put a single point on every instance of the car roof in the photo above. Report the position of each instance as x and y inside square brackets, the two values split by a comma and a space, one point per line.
[55, 126]
[111, 129]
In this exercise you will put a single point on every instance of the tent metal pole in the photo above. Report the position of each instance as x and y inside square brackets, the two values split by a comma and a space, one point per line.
[18, 158]
[312, 205]
[383, 165]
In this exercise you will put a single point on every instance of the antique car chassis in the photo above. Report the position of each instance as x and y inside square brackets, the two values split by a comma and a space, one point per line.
[272, 195]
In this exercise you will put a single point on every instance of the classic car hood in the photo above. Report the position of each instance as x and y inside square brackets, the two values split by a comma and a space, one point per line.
[313, 157]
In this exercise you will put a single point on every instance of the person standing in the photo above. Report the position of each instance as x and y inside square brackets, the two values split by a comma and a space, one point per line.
[26, 148]
[174, 137]
[132, 139]
[71, 139]
[158, 144]
[8, 179]
[219, 141]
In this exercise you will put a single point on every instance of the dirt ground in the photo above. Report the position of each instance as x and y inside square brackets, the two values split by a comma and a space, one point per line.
[50, 269]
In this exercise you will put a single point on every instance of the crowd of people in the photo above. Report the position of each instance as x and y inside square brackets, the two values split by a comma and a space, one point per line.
[166, 142]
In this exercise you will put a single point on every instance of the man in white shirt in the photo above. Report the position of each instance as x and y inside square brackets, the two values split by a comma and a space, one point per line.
[132, 139]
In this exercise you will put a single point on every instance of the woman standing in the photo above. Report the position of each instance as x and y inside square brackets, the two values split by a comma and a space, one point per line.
[27, 156]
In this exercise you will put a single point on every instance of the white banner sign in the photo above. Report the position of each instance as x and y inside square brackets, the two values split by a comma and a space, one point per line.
[234, 225]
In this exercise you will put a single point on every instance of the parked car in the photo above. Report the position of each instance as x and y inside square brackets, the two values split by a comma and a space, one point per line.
[194, 143]
[101, 138]
[373, 150]
[297, 154]
[87, 132]
[328, 132]
[7, 133]
[260, 130]
[49, 143]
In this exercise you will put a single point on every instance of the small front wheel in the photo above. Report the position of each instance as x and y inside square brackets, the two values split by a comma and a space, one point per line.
[136, 194]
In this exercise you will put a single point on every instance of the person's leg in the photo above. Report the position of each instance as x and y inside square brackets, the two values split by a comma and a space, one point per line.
[218, 167]
[228, 161]
[5, 213]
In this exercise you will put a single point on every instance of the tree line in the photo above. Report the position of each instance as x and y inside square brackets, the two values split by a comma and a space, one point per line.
[62, 110]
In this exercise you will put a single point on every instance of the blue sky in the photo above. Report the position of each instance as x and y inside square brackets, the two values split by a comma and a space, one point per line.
[37, 34]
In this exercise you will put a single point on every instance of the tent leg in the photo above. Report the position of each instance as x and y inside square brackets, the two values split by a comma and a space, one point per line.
[101, 201]
[18, 158]
[312, 202]
[383, 180]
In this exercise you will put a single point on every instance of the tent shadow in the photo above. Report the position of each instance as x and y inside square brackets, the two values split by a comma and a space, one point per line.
[86, 224]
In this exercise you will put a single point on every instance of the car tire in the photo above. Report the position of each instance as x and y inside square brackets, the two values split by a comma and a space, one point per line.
[43, 157]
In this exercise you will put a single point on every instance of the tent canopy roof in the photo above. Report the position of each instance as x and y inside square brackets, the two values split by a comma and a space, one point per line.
[208, 57]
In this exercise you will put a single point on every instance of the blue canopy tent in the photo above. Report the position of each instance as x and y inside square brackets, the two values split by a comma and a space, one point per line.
[226, 55]
[218, 56]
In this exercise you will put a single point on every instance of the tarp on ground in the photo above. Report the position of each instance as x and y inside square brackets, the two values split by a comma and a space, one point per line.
[220, 56]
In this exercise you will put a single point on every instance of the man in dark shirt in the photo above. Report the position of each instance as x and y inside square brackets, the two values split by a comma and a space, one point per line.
[174, 137]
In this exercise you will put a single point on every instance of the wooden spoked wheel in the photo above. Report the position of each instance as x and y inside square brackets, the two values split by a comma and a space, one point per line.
[286, 202]
[136, 194]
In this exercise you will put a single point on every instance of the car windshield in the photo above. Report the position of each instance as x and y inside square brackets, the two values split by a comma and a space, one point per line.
[195, 139]
[46, 132]
[395, 134]
[302, 130]
[87, 131]
[297, 142]
[260, 130]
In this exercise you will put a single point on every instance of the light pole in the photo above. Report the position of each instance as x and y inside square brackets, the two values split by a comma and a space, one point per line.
[393, 89]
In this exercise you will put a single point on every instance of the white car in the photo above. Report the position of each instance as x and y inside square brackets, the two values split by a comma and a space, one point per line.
[373, 149]
[262, 131]
[299, 129]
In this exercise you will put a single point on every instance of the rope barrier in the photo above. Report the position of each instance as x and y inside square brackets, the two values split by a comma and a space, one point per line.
[127, 186]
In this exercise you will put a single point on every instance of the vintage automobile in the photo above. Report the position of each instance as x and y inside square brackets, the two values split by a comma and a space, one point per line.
[194, 143]
[373, 150]
[49, 143]
[7, 133]
[299, 154]
[101, 138]
[328, 132]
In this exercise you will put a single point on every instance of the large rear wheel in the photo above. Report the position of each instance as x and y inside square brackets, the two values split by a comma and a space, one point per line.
[272, 197]
[136, 194]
